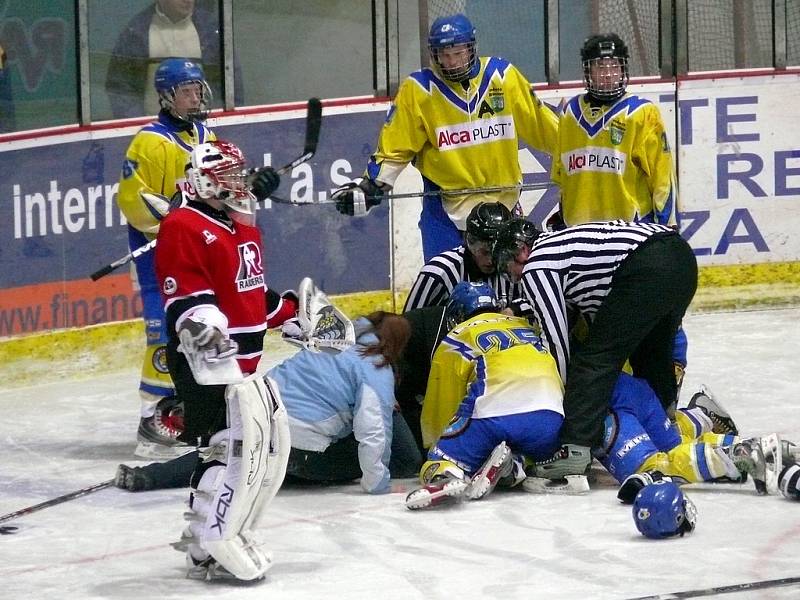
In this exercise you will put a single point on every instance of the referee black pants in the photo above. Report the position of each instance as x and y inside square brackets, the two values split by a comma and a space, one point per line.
[650, 292]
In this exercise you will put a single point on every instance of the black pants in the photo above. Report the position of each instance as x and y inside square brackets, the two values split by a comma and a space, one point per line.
[339, 462]
[637, 321]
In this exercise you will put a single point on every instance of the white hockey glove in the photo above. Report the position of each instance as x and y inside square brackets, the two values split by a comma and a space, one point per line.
[356, 198]
[159, 206]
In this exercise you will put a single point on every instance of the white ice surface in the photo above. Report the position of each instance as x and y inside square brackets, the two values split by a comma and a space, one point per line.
[341, 543]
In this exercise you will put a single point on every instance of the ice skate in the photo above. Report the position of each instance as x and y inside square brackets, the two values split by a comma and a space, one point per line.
[443, 489]
[497, 466]
[722, 420]
[748, 457]
[158, 434]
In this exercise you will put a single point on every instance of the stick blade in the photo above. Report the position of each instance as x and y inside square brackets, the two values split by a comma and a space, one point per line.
[313, 124]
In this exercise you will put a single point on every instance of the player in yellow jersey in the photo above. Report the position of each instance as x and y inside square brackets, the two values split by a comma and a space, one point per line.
[152, 173]
[460, 122]
[498, 389]
[613, 159]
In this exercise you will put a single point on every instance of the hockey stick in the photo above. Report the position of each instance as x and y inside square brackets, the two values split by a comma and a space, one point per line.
[52, 502]
[725, 589]
[102, 272]
[313, 125]
[524, 187]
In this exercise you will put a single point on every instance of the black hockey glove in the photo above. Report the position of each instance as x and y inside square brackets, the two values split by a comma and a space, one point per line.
[265, 182]
[355, 199]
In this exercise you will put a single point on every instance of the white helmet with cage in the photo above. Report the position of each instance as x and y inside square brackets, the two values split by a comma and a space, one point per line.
[218, 172]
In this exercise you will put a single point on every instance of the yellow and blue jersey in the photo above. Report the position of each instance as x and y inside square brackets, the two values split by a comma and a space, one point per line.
[156, 162]
[464, 137]
[488, 366]
[614, 162]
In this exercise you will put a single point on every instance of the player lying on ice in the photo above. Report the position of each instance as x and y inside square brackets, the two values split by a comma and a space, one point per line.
[338, 391]
[640, 443]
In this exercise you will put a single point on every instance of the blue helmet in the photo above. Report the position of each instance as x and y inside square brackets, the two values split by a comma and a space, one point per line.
[661, 510]
[174, 72]
[450, 31]
[466, 299]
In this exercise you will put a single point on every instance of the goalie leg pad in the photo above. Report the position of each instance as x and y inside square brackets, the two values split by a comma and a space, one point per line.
[227, 497]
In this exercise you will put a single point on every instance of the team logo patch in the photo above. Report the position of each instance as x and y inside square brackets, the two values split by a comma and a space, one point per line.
[170, 286]
[497, 100]
[616, 131]
[250, 274]
[209, 237]
[160, 359]
[128, 168]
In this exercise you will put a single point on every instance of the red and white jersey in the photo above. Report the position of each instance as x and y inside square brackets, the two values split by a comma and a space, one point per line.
[203, 257]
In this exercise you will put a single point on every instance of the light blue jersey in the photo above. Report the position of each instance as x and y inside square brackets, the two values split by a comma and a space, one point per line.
[330, 396]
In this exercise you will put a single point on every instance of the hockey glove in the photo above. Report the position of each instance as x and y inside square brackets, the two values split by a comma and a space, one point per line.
[355, 199]
[633, 483]
[265, 182]
[198, 337]
[160, 206]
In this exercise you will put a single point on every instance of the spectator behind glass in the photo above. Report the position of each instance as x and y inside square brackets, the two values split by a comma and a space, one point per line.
[167, 28]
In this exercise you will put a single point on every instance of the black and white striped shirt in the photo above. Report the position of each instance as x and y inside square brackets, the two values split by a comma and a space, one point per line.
[444, 271]
[573, 268]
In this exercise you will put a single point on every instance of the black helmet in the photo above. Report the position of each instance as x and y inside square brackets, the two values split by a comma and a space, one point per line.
[510, 239]
[485, 220]
[597, 48]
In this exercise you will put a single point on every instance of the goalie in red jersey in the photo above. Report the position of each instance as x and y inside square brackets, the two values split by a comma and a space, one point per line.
[210, 267]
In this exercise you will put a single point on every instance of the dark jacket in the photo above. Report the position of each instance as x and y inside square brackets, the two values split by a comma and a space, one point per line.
[127, 69]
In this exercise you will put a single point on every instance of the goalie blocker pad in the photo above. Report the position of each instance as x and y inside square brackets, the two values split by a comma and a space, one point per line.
[256, 449]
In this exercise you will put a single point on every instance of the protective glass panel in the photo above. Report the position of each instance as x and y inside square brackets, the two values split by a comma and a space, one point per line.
[635, 22]
[129, 38]
[38, 68]
[729, 34]
[292, 50]
[793, 32]
[511, 29]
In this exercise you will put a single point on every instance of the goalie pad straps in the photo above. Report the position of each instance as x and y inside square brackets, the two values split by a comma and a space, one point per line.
[237, 484]
[280, 444]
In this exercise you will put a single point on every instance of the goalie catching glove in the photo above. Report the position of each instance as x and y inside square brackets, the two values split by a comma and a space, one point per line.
[356, 198]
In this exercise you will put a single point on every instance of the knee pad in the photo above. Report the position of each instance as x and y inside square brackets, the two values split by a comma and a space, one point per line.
[243, 469]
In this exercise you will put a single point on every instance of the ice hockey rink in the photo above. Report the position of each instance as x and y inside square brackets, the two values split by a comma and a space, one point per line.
[341, 543]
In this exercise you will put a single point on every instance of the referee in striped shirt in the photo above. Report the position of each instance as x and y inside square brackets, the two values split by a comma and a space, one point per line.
[471, 262]
[632, 282]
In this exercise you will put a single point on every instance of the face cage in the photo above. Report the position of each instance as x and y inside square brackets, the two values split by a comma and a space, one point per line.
[689, 519]
[455, 74]
[502, 256]
[167, 101]
[606, 94]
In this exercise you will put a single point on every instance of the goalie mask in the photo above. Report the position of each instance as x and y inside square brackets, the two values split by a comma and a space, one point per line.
[217, 173]
[452, 45]
[661, 510]
[605, 66]
[182, 89]
[468, 299]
